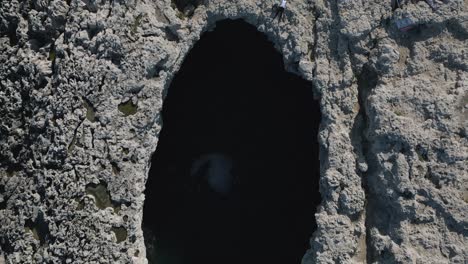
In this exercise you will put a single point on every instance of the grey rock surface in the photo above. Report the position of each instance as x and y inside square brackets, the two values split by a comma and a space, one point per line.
[82, 84]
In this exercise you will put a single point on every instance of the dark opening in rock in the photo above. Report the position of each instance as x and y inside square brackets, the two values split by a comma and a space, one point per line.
[235, 175]
[39, 228]
[12, 27]
[187, 6]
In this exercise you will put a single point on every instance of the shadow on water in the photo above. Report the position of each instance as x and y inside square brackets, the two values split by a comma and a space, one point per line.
[233, 101]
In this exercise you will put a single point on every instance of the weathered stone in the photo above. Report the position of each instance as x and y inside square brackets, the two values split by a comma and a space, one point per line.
[393, 134]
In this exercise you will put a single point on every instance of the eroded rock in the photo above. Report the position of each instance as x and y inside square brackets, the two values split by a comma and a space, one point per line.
[400, 180]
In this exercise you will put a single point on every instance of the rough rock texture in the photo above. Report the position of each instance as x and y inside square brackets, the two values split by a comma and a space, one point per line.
[82, 84]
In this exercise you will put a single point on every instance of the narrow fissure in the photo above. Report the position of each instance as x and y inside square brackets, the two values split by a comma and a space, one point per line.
[367, 80]
[235, 175]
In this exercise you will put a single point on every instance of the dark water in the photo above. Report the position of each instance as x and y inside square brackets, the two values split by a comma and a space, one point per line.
[232, 96]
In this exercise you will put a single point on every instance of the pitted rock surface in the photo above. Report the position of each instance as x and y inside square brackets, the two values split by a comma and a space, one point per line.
[82, 84]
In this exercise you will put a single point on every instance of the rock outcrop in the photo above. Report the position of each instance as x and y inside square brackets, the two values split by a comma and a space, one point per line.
[82, 83]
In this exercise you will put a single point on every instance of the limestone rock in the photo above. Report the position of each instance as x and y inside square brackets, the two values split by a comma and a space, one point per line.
[393, 137]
